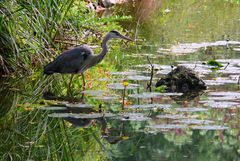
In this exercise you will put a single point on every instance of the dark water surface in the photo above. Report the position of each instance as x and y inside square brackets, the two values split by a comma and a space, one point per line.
[155, 126]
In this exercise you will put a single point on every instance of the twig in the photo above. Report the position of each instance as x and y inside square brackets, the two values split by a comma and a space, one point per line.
[66, 42]
[226, 66]
[150, 81]
[149, 85]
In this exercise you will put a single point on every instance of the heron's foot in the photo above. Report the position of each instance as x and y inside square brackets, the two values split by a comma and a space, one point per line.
[82, 97]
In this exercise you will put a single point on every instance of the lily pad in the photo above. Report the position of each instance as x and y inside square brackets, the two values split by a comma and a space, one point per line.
[236, 49]
[221, 104]
[167, 126]
[121, 86]
[224, 96]
[230, 70]
[126, 73]
[234, 94]
[230, 61]
[78, 105]
[138, 78]
[53, 108]
[195, 109]
[133, 117]
[193, 121]
[198, 68]
[193, 47]
[171, 116]
[148, 66]
[219, 81]
[92, 115]
[147, 95]
[94, 92]
[60, 115]
[106, 98]
[147, 106]
[209, 127]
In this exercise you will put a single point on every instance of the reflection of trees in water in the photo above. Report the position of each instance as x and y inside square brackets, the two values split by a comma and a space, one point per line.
[145, 8]
[169, 146]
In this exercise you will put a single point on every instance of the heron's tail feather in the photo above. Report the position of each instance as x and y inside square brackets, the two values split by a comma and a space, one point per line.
[50, 68]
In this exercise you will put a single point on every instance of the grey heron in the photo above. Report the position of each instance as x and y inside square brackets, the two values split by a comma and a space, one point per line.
[81, 58]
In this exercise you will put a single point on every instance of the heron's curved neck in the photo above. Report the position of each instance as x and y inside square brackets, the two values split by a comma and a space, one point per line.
[104, 49]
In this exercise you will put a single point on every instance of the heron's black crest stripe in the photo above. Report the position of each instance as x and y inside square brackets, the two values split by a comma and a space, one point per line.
[117, 33]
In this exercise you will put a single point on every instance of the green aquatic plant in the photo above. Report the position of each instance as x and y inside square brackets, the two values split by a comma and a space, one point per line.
[215, 64]
[161, 89]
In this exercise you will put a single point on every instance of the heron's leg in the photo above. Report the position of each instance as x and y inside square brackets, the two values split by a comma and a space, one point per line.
[83, 82]
[69, 91]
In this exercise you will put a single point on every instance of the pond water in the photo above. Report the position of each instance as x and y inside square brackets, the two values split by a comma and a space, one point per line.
[153, 126]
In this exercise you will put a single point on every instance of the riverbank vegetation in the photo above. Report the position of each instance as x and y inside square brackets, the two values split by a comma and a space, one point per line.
[34, 33]
[120, 118]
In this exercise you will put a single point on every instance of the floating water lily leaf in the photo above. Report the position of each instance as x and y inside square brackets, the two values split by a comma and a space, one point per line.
[236, 49]
[126, 73]
[156, 66]
[209, 127]
[167, 126]
[92, 115]
[198, 67]
[133, 117]
[63, 103]
[193, 121]
[193, 47]
[93, 92]
[78, 105]
[235, 94]
[52, 108]
[230, 70]
[218, 82]
[106, 98]
[153, 95]
[147, 106]
[224, 95]
[195, 109]
[138, 78]
[171, 116]
[221, 104]
[60, 115]
[121, 86]
[230, 61]
[165, 70]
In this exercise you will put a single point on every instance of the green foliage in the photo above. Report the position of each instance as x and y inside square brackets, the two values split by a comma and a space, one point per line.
[216, 65]
[161, 89]
[34, 32]
[234, 1]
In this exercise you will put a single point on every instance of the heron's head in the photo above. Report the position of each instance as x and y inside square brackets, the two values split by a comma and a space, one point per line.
[115, 34]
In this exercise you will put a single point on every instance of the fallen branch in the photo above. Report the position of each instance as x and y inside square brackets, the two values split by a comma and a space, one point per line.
[150, 81]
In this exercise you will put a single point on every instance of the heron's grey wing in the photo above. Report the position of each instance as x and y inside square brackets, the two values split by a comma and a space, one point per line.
[70, 61]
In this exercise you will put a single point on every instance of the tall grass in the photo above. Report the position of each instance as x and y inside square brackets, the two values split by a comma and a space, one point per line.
[37, 137]
[34, 32]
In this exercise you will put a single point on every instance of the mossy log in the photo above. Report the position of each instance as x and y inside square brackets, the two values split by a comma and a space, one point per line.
[182, 80]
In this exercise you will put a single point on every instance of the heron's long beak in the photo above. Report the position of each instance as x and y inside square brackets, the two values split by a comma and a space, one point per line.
[126, 38]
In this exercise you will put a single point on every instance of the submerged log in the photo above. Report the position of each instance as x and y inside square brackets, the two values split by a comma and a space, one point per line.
[182, 80]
